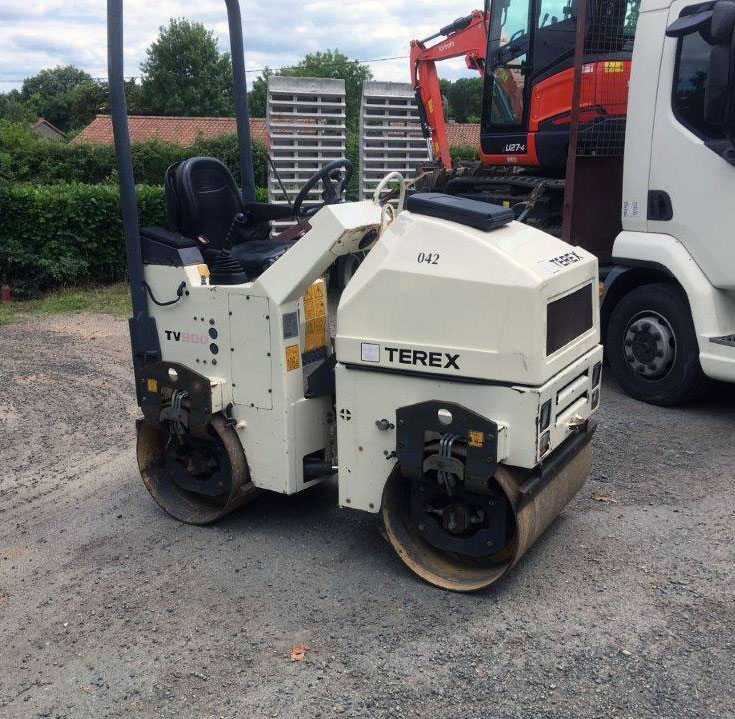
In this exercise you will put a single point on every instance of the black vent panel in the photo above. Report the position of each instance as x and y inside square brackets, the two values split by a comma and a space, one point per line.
[567, 318]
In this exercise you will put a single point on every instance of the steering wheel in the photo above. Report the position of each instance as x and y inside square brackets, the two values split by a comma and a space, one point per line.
[334, 183]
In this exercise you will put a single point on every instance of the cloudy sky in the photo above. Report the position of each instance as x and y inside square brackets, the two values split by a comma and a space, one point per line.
[45, 33]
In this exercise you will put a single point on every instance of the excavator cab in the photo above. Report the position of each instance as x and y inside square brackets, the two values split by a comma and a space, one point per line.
[529, 75]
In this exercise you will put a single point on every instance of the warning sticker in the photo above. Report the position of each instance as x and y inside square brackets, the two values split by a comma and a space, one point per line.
[613, 66]
[315, 333]
[292, 358]
[314, 301]
[476, 439]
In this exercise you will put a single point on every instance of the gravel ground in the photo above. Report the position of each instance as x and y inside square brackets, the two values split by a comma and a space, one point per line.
[108, 608]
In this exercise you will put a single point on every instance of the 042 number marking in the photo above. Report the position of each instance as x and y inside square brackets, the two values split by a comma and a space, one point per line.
[430, 258]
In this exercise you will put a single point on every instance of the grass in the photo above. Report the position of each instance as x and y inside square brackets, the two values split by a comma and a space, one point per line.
[112, 300]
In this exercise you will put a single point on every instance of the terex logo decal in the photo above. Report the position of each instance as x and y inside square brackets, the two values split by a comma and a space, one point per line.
[565, 260]
[174, 336]
[422, 358]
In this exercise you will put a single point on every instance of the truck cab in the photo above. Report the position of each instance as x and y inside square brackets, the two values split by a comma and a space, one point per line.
[669, 305]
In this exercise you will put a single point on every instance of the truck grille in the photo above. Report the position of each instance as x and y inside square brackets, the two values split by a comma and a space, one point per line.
[567, 318]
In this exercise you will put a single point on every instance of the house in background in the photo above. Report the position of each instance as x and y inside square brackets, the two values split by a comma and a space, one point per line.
[186, 130]
[45, 129]
[177, 130]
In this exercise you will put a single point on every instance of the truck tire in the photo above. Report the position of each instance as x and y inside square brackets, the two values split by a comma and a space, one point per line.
[652, 347]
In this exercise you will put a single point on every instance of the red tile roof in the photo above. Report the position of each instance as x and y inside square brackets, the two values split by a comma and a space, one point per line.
[179, 130]
[185, 130]
[463, 133]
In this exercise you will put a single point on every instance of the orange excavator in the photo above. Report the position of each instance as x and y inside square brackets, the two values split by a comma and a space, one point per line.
[524, 51]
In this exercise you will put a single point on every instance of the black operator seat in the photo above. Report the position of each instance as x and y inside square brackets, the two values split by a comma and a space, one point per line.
[202, 200]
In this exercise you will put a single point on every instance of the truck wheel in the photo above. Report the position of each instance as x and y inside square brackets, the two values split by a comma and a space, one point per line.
[652, 347]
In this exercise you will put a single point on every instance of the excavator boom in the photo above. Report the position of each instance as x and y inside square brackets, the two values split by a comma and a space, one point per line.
[465, 36]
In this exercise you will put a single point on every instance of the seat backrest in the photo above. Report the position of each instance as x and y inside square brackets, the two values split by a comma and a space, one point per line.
[202, 199]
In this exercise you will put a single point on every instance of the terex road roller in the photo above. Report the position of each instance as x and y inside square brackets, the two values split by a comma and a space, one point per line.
[455, 400]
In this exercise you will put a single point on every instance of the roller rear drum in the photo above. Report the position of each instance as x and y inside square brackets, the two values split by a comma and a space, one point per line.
[196, 480]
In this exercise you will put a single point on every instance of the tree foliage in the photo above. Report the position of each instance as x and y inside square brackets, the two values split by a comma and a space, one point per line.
[14, 109]
[185, 73]
[258, 94]
[463, 99]
[94, 99]
[50, 94]
[331, 63]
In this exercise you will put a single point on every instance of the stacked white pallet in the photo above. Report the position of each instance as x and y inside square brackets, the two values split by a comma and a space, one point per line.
[390, 134]
[306, 129]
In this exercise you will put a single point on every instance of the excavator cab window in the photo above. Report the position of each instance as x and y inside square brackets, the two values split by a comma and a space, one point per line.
[507, 61]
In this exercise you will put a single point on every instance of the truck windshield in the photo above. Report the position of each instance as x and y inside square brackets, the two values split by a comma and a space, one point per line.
[507, 55]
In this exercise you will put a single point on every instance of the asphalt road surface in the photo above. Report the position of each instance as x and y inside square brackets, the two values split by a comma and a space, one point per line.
[109, 608]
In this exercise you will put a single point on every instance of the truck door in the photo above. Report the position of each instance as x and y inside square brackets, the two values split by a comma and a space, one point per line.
[691, 187]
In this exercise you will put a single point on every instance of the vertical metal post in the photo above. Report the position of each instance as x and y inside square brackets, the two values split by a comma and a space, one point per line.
[579, 43]
[240, 91]
[123, 154]
[143, 334]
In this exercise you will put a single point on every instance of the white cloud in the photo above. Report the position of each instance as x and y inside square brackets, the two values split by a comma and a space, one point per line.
[46, 33]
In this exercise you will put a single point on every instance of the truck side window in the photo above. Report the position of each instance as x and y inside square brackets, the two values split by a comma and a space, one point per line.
[690, 79]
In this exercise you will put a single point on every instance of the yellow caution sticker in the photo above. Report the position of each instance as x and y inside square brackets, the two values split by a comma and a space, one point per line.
[314, 300]
[613, 66]
[292, 358]
[315, 335]
[152, 385]
[506, 203]
[315, 314]
[476, 439]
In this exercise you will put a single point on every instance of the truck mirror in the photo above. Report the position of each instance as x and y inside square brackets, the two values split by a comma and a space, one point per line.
[722, 23]
[687, 24]
[718, 100]
[716, 90]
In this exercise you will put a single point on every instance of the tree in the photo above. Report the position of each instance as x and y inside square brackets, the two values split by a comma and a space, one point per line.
[13, 109]
[463, 99]
[94, 99]
[333, 63]
[186, 74]
[258, 95]
[49, 93]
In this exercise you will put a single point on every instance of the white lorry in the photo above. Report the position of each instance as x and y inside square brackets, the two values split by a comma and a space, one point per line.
[668, 310]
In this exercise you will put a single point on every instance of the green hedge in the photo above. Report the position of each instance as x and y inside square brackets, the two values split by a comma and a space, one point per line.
[464, 152]
[25, 157]
[66, 234]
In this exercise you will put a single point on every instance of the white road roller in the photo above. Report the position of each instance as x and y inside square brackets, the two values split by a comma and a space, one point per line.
[455, 400]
